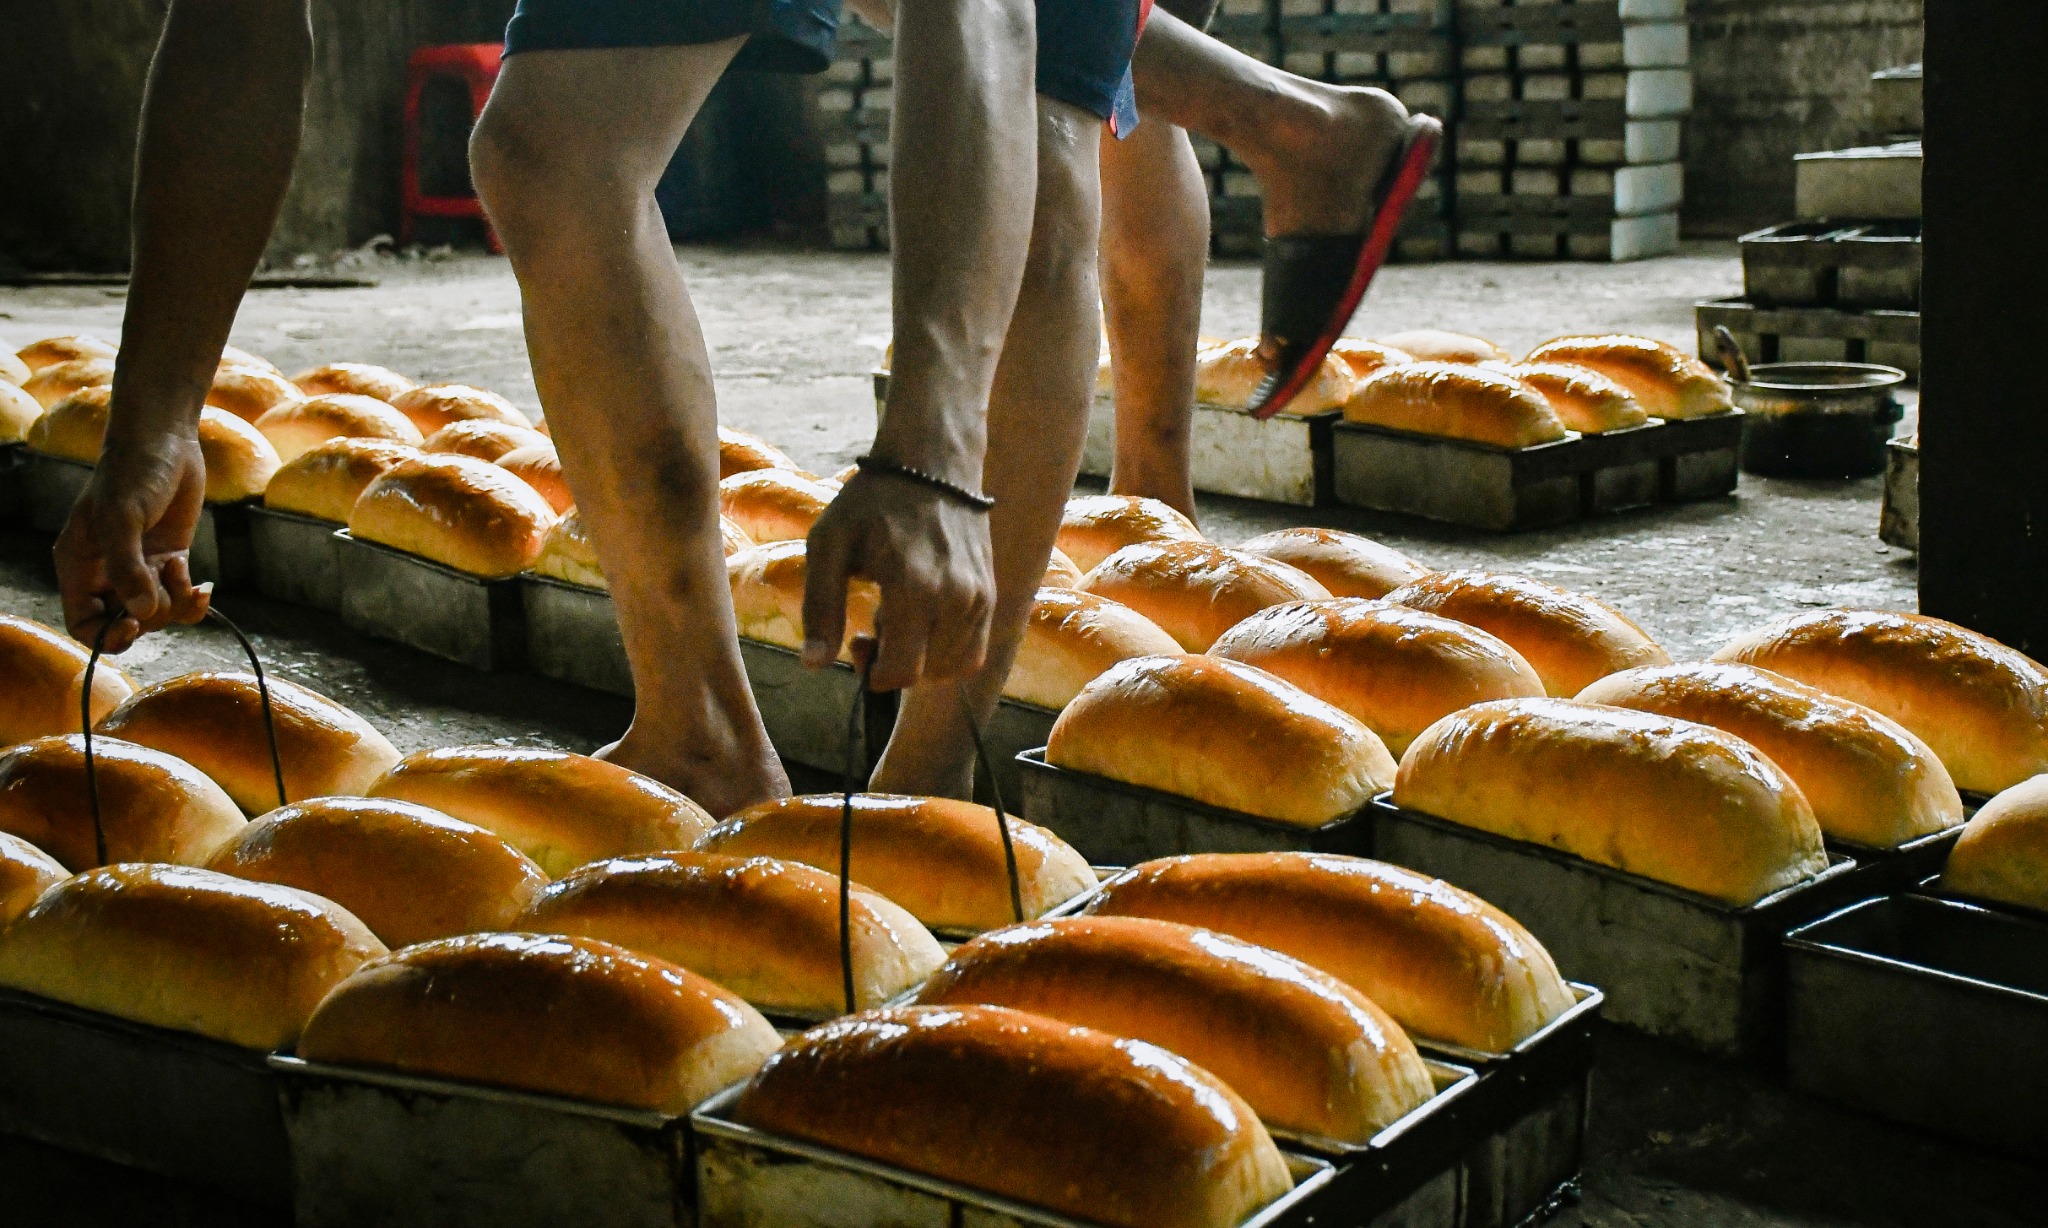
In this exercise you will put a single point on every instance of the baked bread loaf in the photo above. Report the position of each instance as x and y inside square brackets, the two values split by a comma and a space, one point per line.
[1093, 527]
[1436, 345]
[939, 858]
[1195, 591]
[1442, 962]
[735, 538]
[1070, 637]
[1983, 707]
[772, 505]
[239, 460]
[53, 383]
[568, 555]
[1367, 357]
[1665, 799]
[153, 807]
[2002, 853]
[1309, 1053]
[18, 412]
[25, 873]
[295, 427]
[539, 467]
[1867, 778]
[457, 511]
[433, 406]
[249, 392]
[12, 369]
[1229, 375]
[1117, 1132]
[1344, 563]
[617, 1028]
[1225, 734]
[1585, 400]
[188, 949]
[765, 929]
[353, 379]
[483, 438]
[325, 481]
[44, 669]
[1060, 571]
[739, 452]
[561, 810]
[1456, 401]
[213, 720]
[73, 427]
[1397, 670]
[236, 356]
[1665, 380]
[52, 350]
[768, 597]
[1569, 639]
[409, 873]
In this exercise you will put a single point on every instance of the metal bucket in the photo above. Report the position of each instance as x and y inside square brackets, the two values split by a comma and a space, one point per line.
[1818, 419]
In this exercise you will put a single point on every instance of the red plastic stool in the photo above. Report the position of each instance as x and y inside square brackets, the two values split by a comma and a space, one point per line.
[476, 65]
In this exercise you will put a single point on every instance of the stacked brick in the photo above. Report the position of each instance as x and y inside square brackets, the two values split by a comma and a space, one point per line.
[854, 98]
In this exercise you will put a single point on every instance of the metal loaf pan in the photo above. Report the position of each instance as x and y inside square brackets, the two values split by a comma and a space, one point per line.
[1673, 963]
[378, 1147]
[1113, 823]
[297, 558]
[13, 476]
[422, 604]
[221, 551]
[1284, 459]
[179, 1105]
[1901, 867]
[1932, 1012]
[805, 710]
[572, 635]
[1014, 728]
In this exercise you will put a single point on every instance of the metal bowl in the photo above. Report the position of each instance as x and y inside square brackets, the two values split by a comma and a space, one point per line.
[1818, 419]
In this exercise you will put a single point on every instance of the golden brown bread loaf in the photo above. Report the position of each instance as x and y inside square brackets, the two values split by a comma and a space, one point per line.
[296, 427]
[188, 949]
[1309, 1053]
[1229, 375]
[1585, 400]
[483, 438]
[18, 412]
[765, 929]
[1060, 571]
[325, 481]
[618, 1028]
[1436, 345]
[52, 350]
[409, 873]
[1867, 778]
[1093, 527]
[25, 873]
[457, 511]
[739, 452]
[1443, 962]
[1983, 707]
[772, 505]
[53, 383]
[1456, 401]
[1569, 639]
[1666, 799]
[213, 720]
[561, 810]
[1366, 357]
[1117, 1132]
[1344, 563]
[1195, 591]
[239, 460]
[939, 858]
[433, 406]
[353, 379]
[236, 356]
[12, 369]
[249, 392]
[569, 556]
[1397, 670]
[1223, 733]
[1070, 637]
[734, 537]
[153, 807]
[768, 597]
[43, 670]
[539, 467]
[1665, 380]
[2002, 853]
[73, 427]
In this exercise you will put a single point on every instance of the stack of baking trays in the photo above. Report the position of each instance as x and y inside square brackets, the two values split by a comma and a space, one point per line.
[851, 105]
[245, 943]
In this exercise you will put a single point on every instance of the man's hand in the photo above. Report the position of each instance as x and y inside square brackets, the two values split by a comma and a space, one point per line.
[124, 552]
[928, 553]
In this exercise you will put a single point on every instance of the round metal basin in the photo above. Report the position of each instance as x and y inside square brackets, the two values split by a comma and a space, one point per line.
[1818, 419]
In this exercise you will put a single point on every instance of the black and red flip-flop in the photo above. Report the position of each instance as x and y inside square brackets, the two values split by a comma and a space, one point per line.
[1314, 283]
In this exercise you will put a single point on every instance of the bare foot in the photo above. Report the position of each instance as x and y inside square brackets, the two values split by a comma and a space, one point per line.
[1319, 177]
[721, 785]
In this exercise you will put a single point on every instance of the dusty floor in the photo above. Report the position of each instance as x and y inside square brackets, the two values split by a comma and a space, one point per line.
[1676, 1141]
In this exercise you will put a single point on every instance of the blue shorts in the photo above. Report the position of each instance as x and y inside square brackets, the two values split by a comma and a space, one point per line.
[1084, 46]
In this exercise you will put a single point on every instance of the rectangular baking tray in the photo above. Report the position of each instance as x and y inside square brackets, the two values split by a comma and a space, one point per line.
[572, 635]
[422, 604]
[175, 1104]
[221, 552]
[379, 1147]
[1284, 459]
[1014, 728]
[1898, 522]
[1673, 963]
[1113, 823]
[297, 558]
[1900, 868]
[1932, 1012]
[805, 710]
[13, 500]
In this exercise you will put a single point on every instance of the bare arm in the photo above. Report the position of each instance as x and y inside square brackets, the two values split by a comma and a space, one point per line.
[219, 133]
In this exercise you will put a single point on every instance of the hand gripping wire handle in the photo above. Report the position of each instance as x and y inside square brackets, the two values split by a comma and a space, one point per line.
[92, 782]
[856, 763]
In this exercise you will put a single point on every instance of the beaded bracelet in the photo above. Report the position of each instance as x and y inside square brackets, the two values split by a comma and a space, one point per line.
[973, 498]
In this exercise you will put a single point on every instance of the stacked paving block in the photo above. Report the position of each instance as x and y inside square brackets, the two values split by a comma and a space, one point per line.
[1236, 210]
[854, 99]
[1568, 141]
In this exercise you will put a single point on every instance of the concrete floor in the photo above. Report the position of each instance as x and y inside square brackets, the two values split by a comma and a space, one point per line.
[1676, 1140]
